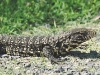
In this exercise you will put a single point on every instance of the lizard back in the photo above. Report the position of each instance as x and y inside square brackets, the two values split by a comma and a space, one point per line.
[33, 45]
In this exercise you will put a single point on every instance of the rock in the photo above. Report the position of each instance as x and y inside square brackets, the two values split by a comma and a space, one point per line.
[84, 73]
[5, 56]
[27, 65]
[59, 69]
[16, 68]
[18, 74]
[84, 70]
[75, 72]
[15, 57]
[69, 74]
[28, 72]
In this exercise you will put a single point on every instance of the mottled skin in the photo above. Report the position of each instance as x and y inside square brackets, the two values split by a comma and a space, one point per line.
[50, 46]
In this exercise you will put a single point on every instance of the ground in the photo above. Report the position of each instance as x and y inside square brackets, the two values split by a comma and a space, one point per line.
[84, 61]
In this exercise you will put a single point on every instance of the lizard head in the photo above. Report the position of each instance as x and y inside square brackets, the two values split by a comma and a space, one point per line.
[77, 36]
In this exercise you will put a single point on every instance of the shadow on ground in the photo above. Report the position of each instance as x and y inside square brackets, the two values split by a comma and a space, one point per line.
[92, 54]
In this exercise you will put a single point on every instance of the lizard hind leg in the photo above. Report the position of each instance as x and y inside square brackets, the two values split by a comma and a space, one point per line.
[47, 50]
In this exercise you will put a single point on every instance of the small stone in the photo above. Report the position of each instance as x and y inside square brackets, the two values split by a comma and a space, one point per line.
[16, 68]
[28, 72]
[18, 63]
[18, 74]
[75, 72]
[83, 73]
[15, 57]
[91, 73]
[35, 73]
[27, 64]
[59, 69]
[5, 56]
[10, 57]
[84, 70]
[69, 74]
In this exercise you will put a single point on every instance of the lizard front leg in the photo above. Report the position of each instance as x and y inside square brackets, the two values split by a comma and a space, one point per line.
[47, 50]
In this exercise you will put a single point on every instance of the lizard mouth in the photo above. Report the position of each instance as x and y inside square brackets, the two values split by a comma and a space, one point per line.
[78, 37]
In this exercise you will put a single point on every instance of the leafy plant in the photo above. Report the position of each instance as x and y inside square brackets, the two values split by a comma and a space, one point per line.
[19, 15]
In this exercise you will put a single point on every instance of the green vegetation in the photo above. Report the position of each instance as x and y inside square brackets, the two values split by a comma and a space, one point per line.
[20, 15]
[30, 17]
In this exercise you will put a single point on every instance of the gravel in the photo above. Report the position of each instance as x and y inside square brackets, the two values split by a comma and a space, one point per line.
[75, 64]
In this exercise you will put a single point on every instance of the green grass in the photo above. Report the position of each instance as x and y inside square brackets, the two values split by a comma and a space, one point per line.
[18, 16]
[30, 17]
